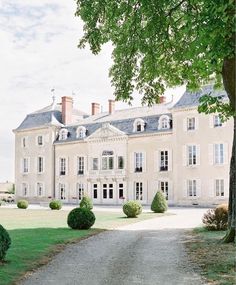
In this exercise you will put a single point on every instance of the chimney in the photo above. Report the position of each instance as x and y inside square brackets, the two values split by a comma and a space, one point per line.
[67, 105]
[162, 99]
[111, 106]
[95, 108]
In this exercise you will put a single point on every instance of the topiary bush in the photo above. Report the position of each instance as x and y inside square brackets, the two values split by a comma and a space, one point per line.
[216, 219]
[86, 202]
[5, 242]
[55, 205]
[132, 209]
[81, 219]
[22, 204]
[159, 204]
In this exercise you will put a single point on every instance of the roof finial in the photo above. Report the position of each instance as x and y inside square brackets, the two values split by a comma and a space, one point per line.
[53, 98]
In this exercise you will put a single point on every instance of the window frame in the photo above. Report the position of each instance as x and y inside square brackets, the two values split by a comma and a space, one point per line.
[219, 188]
[80, 165]
[138, 162]
[192, 188]
[163, 160]
[191, 155]
[62, 166]
[138, 186]
[219, 153]
[191, 123]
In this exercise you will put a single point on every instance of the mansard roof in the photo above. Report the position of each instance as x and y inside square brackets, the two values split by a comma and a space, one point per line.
[191, 98]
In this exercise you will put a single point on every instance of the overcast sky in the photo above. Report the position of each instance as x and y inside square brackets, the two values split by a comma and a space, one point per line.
[38, 52]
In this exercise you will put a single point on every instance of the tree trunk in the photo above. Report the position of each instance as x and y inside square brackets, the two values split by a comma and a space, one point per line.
[228, 73]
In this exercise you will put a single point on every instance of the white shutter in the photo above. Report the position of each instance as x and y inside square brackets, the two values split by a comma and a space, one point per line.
[132, 162]
[185, 195]
[85, 164]
[156, 161]
[35, 169]
[211, 188]
[196, 123]
[21, 166]
[67, 165]
[184, 155]
[75, 165]
[198, 154]
[35, 189]
[198, 187]
[28, 164]
[144, 162]
[211, 153]
[44, 164]
[170, 190]
[170, 159]
[225, 153]
[57, 166]
[185, 124]
[211, 121]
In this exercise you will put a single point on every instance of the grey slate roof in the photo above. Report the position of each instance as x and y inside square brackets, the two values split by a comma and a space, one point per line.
[191, 99]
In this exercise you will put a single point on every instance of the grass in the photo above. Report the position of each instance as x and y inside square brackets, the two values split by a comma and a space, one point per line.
[37, 235]
[216, 259]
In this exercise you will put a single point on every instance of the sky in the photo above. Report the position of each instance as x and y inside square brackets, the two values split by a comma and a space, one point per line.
[39, 52]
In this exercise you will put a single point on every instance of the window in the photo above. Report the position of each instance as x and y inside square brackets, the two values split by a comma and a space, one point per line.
[164, 122]
[219, 153]
[80, 190]
[121, 190]
[107, 160]
[139, 191]
[95, 191]
[104, 189]
[164, 186]
[40, 164]
[62, 166]
[80, 165]
[40, 140]
[138, 162]
[25, 165]
[95, 163]
[138, 125]
[25, 189]
[63, 134]
[120, 162]
[192, 188]
[219, 188]
[81, 132]
[111, 191]
[39, 189]
[217, 121]
[192, 155]
[191, 124]
[164, 160]
[24, 142]
[62, 191]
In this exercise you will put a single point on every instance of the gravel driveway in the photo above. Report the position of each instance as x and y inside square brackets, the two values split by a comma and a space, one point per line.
[150, 252]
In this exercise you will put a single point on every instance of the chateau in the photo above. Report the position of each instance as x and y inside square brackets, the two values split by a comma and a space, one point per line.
[63, 153]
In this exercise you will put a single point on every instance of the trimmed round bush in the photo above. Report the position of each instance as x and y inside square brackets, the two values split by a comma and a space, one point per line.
[132, 209]
[55, 205]
[159, 204]
[5, 242]
[216, 219]
[81, 219]
[86, 202]
[22, 204]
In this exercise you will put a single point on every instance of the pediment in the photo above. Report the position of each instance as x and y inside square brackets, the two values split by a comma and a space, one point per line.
[105, 132]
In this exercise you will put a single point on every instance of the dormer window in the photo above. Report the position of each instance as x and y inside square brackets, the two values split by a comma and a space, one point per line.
[164, 122]
[63, 134]
[139, 125]
[81, 132]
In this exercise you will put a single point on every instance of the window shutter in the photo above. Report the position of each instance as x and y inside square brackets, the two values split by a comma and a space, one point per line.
[198, 154]
[21, 165]
[67, 165]
[211, 188]
[57, 166]
[225, 153]
[156, 161]
[170, 159]
[185, 195]
[185, 124]
[85, 164]
[210, 153]
[211, 121]
[28, 164]
[132, 162]
[184, 155]
[75, 165]
[36, 164]
[170, 190]
[196, 123]
[35, 189]
[144, 162]
[198, 187]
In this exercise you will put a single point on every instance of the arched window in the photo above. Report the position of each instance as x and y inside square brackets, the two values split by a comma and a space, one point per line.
[138, 125]
[63, 134]
[81, 132]
[164, 122]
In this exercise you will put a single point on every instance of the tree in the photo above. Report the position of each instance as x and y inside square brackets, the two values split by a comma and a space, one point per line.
[166, 43]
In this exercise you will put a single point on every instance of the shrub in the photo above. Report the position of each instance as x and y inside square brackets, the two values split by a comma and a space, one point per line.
[22, 204]
[132, 209]
[216, 219]
[81, 219]
[86, 202]
[159, 204]
[5, 242]
[55, 205]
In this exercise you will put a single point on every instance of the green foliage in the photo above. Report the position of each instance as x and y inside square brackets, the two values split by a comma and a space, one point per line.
[11, 190]
[160, 44]
[216, 219]
[132, 209]
[86, 202]
[22, 204]
[159, 204]
[55, 205]
[81, 219]
[5, 242]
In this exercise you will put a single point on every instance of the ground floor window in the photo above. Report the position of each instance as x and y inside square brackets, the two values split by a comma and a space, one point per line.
[104, 190]
[95, 191]
[111, 191]
[39, 189]
[121, 190]
[139, 191]
[192, 188]
[219, 188]
[25, 189]
[62, 191]
[164, 187]
[80, 190]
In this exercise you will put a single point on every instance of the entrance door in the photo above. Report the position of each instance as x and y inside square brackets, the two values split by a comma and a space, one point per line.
[62, 191]
[108, 193]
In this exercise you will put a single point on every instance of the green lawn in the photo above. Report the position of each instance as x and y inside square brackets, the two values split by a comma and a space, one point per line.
[38, 234]
[215, 259]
